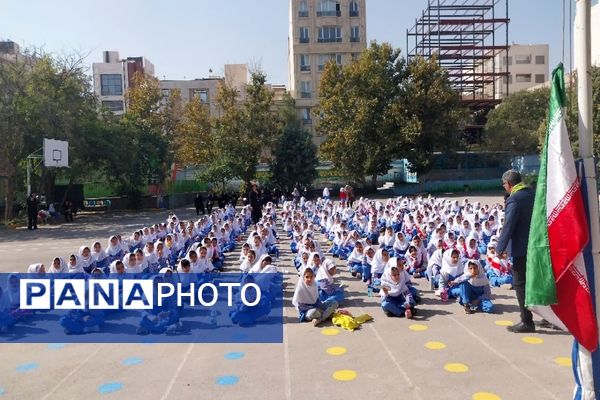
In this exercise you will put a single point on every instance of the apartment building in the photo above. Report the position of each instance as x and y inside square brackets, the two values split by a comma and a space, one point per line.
[527, 66]
[321, 30]
[114, 76]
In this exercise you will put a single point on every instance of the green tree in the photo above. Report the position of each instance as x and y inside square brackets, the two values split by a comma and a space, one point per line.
[435, 118]
[192, 139]
[360, 114]
[295, 155]
[513, 125]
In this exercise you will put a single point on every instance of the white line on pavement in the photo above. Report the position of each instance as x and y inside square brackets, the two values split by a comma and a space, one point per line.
[179, 368]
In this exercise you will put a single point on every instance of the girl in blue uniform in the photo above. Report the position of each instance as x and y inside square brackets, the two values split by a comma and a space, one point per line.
[475, 293]
[396, 297]
[307, 302]
[328, 289]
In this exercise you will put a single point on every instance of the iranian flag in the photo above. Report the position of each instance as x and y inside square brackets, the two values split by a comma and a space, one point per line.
[557, 287]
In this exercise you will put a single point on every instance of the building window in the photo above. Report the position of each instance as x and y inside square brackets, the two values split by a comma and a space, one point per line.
[201, 94]
[355, 34]
[523, 78]
[354, 8]
[325, 58]
[540, 78]
[303, 9]
[306, 115]
[540, 60]
[329, 34]
[506, 79]
[305, 91]
[304, 38]
[355, 56]
[113, 105]
[304, 62]
[111, 85]
[165, 93]
[328, 8]
[523, 59]
[507, 60]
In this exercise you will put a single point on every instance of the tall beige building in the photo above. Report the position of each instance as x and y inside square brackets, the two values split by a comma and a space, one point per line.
[321, 30]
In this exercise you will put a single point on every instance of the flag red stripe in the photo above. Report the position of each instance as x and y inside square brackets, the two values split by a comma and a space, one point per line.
[568, 235]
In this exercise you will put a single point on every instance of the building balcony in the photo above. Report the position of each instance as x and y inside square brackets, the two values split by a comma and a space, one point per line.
[303, 14]
[355, 39]
[335, 13]
[354, 14]
[305, 68]
[305, 95]
[304, 40]
[330, 40]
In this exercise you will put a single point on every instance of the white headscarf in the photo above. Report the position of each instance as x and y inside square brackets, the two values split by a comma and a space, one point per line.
[62, 269]
[85, 261]
[324, 272]
[100, 255]
[396, 288]
[34, 268]
[132, 269]
[481, 278]
[113, 267]
[113, 250]
[448, 266]
[401, 245]
[77, 268]
[378, 265]
[305, 294]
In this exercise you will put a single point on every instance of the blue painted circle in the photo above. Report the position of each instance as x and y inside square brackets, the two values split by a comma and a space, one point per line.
[132, 361]
[2, 391]
[227, 380]
[235, 355]
[27, 367]
[110, 387]
[56, 346]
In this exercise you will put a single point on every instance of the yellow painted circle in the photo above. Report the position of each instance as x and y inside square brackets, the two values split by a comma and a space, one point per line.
[456, 367]
[486, 396]
[330, 332]
[504, 323]
[564, 361]
[532, 340]
[435, 345]
[336, 351]
[345, 375]
[418, 327]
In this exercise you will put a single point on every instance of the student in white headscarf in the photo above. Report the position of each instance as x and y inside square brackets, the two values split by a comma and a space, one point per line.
[59, 266]
[396, 297]
[306, 300]
[328, 289]
[452, 268]
[475, 293]
[37, 268]
[86, 259]
[75, 265]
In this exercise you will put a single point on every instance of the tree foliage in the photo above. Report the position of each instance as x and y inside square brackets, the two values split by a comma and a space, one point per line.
[295, 156]
[379, 108]
[192, 139]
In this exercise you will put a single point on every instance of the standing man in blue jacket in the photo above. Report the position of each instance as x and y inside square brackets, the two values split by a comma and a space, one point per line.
[515, 232]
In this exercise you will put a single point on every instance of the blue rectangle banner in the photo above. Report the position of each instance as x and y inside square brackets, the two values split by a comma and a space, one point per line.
[141, 308]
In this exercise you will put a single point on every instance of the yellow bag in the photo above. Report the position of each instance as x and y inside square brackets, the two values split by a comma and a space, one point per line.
[349, 322]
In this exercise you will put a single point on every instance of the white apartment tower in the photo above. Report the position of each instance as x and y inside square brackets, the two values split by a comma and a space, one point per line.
[321, 30]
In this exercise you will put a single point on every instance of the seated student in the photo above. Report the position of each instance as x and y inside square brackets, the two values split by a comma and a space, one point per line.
[77, 322]
[172, 249]
[400, 244]
[37, 268]
[387, 239]
[475, 293]
[434, 266]
[135, 241]
[162, 254]
[12, 295]
[301, 261]
[203, 263]
[396, 297]
[244, 315]
[59, 266]
[499, 268]
[264, 275]
[368, 259]
[75, 266]
[449, 241]
[142, 265]
[248, 261]
[328, 289]
[415, 263]
[117, 268]
[471, 249]
[7, 320]
[151, 258]
[86, 259]
[452, 268]
[379, 262]
[100, 257]
[355, 258]
[164, 318]
[113, 249]
[307, 302]
[217, 259]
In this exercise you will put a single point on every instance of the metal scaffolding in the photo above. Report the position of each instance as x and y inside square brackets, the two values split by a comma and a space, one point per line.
[467, 39]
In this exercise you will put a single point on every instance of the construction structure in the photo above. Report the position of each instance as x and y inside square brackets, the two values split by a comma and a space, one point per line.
[467, 37]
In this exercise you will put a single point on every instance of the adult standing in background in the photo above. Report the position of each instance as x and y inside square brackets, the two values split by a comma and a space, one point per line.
[255, 204]
[515, 232]
[342, 195]
[32, 211]
[350, 195]
[199, 203]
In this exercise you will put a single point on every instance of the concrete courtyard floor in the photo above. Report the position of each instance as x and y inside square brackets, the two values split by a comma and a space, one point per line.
[441, 354]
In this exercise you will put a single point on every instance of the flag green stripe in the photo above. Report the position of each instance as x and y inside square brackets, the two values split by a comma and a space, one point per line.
[541, 285]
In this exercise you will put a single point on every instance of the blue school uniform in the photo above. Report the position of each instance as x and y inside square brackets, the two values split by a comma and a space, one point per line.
[328, 291]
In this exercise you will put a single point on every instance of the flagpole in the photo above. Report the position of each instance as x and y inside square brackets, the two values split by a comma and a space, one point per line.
[586, 141]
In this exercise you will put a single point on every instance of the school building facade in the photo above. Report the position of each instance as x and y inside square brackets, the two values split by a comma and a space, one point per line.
[320, 31]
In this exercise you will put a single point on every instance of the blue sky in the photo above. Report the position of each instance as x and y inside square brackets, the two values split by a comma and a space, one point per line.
[185, 38]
